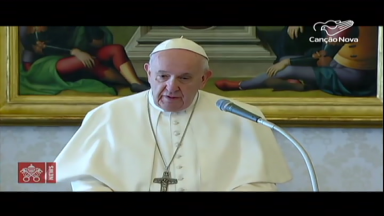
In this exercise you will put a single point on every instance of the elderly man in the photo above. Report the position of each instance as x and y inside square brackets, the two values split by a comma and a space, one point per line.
[172, 137]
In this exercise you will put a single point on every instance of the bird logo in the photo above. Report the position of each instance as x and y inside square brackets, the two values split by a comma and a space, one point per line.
[339, 26]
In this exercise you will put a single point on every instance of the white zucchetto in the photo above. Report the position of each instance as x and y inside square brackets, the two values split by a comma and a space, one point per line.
[180, 43]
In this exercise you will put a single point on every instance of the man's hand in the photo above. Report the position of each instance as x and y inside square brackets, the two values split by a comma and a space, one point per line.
[84, 57]
[293, 31]
[39, 47]
[324, 61]
[274, 69]
[321, 53]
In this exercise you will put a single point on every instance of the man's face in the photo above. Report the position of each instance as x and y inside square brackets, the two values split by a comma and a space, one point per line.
[175, 77]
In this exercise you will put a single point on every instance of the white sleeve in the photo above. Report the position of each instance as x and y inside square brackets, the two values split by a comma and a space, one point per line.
[262, 186]
[82, 153]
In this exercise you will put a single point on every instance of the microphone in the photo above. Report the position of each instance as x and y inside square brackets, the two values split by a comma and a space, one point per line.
[228, 106]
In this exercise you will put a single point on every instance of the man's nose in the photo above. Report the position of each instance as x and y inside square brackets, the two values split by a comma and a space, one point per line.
[172, 85]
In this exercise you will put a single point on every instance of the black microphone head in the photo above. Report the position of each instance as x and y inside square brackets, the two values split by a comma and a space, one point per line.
[222, 103]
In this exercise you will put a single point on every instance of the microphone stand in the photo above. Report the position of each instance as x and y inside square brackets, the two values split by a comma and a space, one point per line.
[305, 155]
[227, 106]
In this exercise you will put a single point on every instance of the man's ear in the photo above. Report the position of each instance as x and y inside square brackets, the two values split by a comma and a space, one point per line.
[204, 79]
[146, 68]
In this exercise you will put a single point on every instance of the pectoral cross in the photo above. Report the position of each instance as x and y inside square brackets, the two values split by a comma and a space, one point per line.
[165, 181]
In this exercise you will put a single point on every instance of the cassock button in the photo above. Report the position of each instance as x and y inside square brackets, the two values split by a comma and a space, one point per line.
[181, 179]
[180, 167]
[177, 144]
[175, 122]
[176, 133]
[178, 156]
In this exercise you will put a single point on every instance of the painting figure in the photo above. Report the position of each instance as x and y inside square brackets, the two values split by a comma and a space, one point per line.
[79, 58]
[289, 41]
[343, 69]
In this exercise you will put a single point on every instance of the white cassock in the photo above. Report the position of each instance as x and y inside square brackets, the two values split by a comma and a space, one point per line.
[115, 150]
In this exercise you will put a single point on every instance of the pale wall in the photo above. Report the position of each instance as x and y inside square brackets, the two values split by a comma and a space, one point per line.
[345, 159]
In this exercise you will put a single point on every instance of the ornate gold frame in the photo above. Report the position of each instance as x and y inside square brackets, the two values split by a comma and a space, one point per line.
[68, 110]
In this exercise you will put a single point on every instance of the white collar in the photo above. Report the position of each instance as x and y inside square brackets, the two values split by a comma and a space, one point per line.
[152, 102]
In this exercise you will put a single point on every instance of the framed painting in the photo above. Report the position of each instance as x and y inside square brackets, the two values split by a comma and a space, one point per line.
[54, 75]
